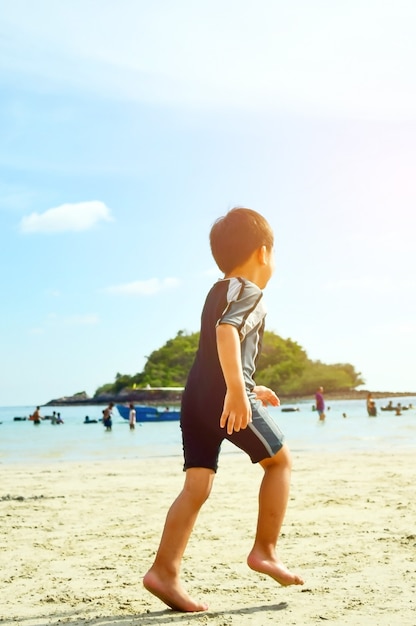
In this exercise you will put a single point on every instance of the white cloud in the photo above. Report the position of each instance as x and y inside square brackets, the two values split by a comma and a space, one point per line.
[36, 331]
[81, 320]
[73, 320]
[53, 293]
[351, 58]
[54, 321]
[143, 287]
[67, 217]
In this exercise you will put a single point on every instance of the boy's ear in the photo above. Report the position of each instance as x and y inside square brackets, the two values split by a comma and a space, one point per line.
[262, 255]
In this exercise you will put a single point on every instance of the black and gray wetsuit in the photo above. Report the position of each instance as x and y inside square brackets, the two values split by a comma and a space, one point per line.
[238, 302]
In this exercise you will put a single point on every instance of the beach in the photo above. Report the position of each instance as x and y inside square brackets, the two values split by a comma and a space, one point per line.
[78, 537]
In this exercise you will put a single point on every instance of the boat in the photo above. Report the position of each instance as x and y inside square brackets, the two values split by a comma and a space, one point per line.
[289, 409]
[146, 413]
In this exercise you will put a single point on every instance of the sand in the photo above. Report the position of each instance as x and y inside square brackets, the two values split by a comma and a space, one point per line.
[78, 537]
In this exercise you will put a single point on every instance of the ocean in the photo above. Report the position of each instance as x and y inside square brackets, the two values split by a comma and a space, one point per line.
[23, 442]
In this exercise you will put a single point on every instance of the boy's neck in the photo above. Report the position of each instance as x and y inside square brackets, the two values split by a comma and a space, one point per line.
[247, 271]
[257, 269]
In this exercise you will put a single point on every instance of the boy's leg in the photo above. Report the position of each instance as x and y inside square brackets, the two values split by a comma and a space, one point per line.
[162, 579]
[273, 498]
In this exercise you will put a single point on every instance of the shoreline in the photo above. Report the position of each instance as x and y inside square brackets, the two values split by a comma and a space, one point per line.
[150, 399]
[90, 531]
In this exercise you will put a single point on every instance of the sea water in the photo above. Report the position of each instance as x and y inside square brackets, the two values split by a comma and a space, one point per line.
[347, 427]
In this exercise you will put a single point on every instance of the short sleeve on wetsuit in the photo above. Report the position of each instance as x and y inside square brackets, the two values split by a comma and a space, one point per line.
[245, 307]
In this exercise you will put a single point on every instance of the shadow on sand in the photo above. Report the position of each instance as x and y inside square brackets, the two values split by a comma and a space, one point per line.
[165, 616]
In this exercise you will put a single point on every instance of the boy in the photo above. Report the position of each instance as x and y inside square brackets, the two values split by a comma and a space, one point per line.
[221, 401]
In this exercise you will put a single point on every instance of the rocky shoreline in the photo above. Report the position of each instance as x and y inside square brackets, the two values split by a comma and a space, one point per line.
[154, 396]
[139, 396]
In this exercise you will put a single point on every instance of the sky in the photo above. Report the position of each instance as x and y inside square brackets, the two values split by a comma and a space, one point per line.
[128, 127]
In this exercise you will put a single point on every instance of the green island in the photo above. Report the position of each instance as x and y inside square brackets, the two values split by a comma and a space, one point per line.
[283, 366]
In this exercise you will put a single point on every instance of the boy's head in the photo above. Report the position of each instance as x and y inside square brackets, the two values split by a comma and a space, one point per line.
[235, 236]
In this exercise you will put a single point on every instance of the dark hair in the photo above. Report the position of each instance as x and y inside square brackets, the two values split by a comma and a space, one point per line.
[235, 236]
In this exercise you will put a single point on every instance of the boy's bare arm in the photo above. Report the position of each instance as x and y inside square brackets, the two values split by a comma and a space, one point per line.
[236, 412]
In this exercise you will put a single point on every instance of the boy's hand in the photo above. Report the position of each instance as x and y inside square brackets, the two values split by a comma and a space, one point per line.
[236, 413]
[266, 396]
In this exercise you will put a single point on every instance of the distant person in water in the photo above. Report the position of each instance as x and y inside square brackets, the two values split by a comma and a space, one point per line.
[36, 417]
[88, 420]
[132, 416]
[107, 414]
[371, 406]
[320, 403]
[222, 401]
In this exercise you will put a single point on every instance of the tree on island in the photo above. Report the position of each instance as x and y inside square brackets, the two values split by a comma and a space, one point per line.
[283, 365]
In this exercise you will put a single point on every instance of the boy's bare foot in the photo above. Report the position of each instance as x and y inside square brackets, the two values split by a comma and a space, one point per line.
[171, 594]
[275, 569]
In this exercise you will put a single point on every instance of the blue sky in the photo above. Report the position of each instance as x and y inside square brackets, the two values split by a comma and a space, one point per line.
[128, 127]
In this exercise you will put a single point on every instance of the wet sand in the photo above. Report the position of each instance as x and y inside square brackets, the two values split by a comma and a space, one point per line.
[78, 537]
